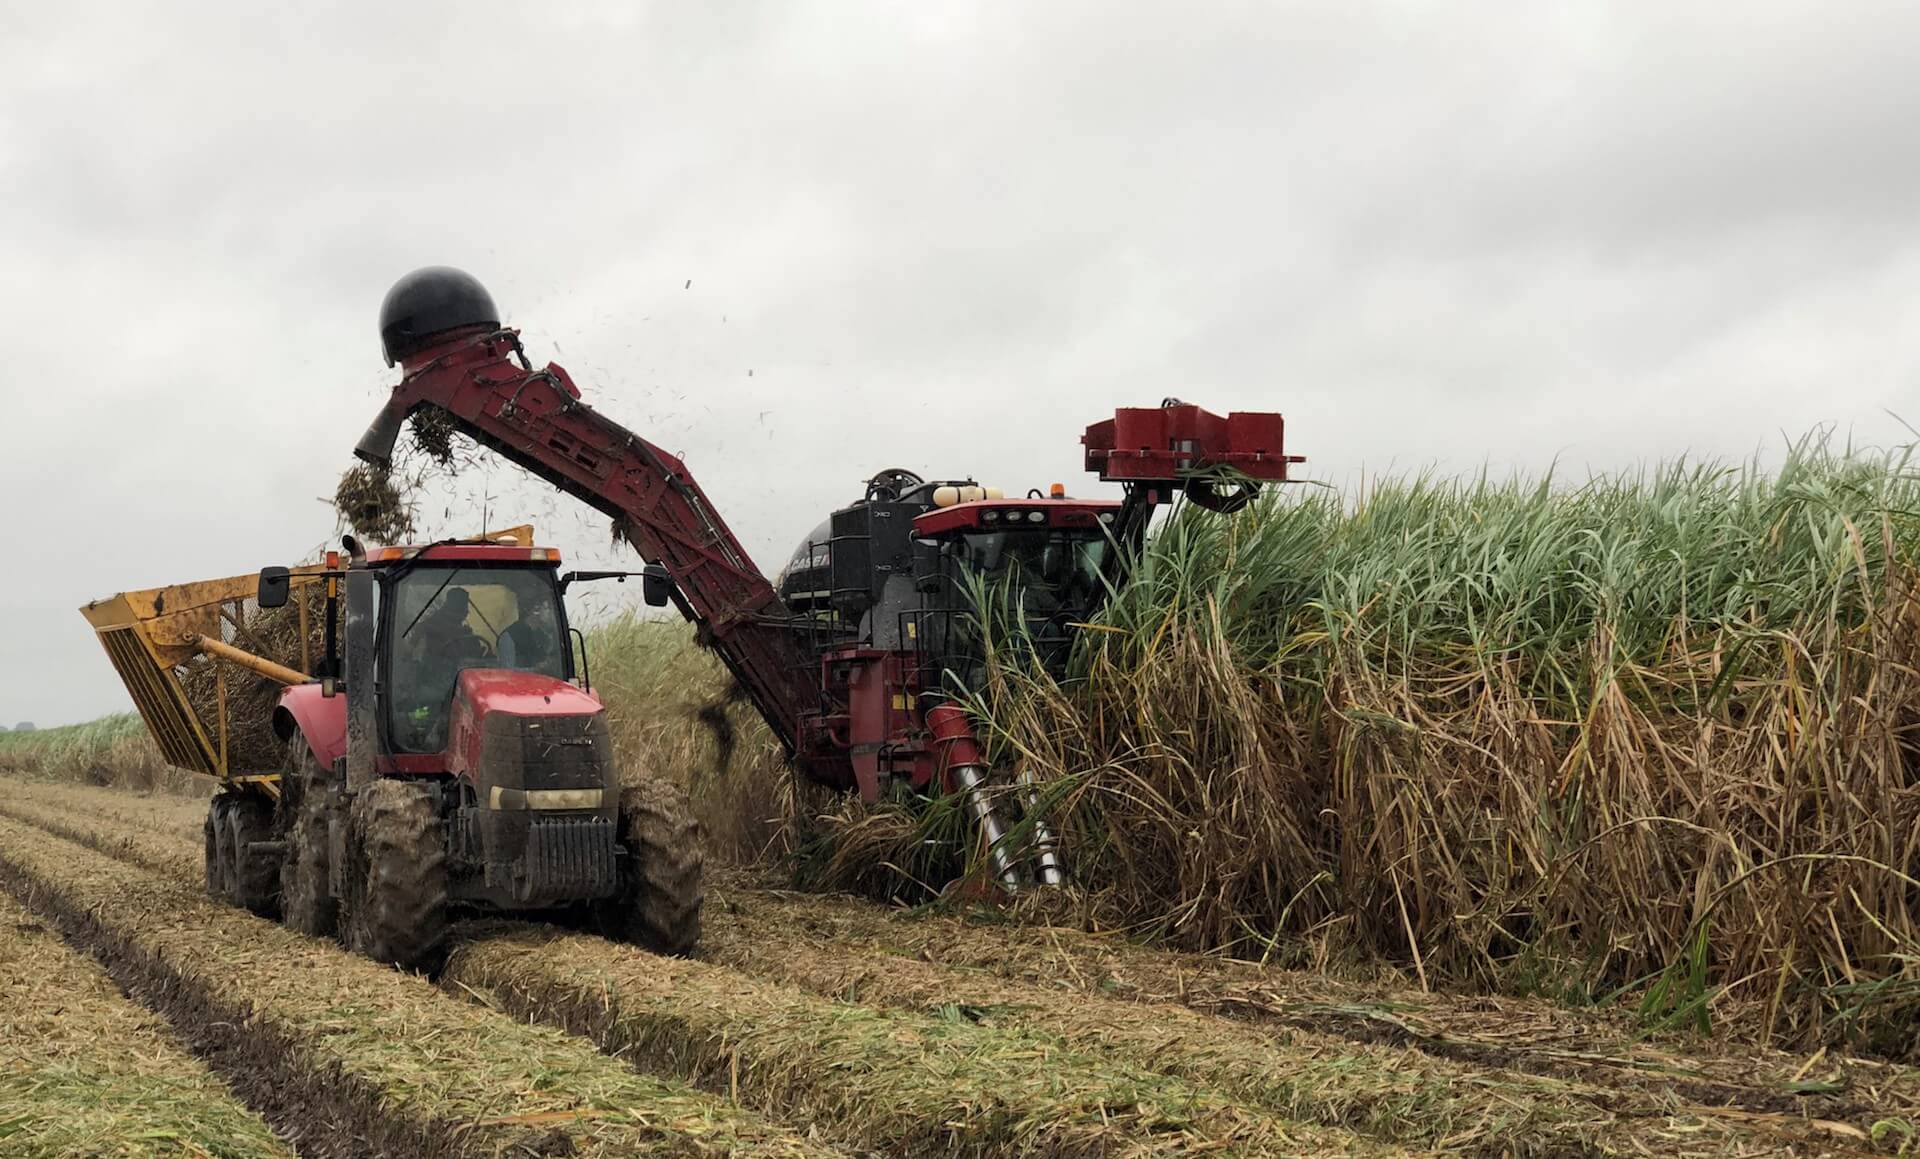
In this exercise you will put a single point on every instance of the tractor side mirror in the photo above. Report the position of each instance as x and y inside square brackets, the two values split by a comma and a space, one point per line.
[275, 586]
[656, 586]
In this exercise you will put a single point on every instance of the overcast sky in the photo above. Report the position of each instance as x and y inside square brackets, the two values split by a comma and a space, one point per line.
[932, 235]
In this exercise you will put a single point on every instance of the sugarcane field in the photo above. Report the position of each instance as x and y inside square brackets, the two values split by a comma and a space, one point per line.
[1069, 580]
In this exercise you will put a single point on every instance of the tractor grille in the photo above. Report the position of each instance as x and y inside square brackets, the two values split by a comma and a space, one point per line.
[548, 752]
[567, 857]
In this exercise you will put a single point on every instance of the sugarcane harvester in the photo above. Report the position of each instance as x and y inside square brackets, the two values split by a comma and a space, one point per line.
[860, 658]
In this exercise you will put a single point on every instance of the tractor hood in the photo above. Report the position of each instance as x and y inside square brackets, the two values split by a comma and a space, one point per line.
[505, 721]
[508, 690]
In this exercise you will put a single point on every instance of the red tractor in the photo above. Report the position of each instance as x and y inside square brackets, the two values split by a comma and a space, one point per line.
[441, 751]
[454, 759]
[859, 659]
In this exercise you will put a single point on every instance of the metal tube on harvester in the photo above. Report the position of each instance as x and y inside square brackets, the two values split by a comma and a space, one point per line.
[1045, 855]
[966, 769]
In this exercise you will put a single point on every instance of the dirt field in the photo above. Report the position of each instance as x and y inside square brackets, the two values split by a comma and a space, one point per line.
[809, 1025]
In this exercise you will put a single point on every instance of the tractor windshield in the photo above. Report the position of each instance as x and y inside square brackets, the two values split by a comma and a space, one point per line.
[447, 618]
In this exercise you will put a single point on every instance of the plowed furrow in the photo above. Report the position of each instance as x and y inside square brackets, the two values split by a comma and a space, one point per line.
[355, 1058]
[1391, 1093]
[62, 1094]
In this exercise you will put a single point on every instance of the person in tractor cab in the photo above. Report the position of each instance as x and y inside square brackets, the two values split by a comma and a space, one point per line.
[528, 643]
[438, 645]
[445, 633]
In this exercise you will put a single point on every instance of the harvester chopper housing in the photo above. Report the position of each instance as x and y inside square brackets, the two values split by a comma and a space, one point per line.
[859, 659]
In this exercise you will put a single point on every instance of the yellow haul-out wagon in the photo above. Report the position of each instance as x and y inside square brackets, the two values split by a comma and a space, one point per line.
[187, 656]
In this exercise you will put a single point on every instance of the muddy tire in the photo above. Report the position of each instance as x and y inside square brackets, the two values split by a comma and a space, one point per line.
[399, 912]
[307, 904]
[661, 883]
[255, 884]
[219, 869]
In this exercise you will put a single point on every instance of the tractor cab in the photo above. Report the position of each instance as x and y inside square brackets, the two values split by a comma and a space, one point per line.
[448, 609]
[446, 653]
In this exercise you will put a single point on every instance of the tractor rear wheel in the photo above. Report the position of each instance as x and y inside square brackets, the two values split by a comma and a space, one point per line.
[219, 869]
[661, 885]
[399, 910]
[255, 884]
[307, 904]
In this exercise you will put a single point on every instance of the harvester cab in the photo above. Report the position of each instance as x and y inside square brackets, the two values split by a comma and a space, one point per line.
[903, 568]
[856, 657]
[905, 593]
[899, 594]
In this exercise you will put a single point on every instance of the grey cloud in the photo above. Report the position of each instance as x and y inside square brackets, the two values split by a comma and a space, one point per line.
[940, 236]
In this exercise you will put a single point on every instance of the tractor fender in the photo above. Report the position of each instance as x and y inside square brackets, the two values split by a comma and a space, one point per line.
[321, 720]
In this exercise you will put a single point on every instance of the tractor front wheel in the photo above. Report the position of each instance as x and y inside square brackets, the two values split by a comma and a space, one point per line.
[399, 911]
[661, 886]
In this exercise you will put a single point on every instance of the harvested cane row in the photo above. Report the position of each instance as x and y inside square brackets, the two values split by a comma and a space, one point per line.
[1308, 1047]
[671, 1014]
[754, 923]
[758, 926]
[172, 855]
[168, 813]
[1290, 1066]
[349, 1058]
[898, 1083]
[61, 1094]
[1381, 1087]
